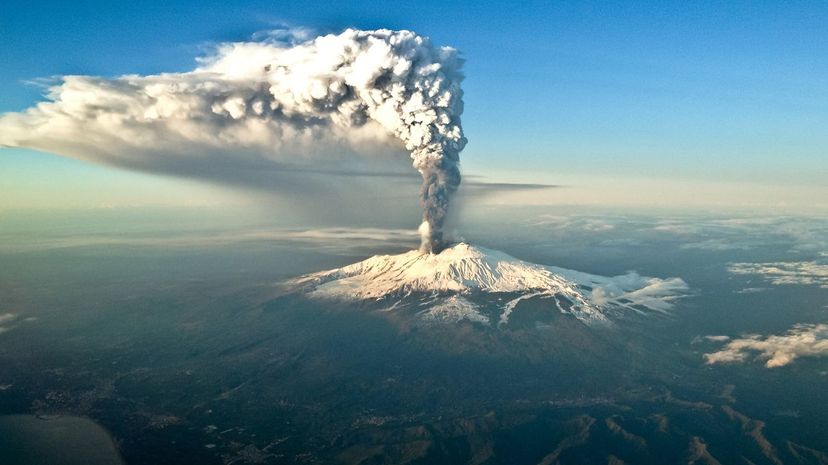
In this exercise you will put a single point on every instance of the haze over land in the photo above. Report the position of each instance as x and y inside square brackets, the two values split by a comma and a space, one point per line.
[186, 332]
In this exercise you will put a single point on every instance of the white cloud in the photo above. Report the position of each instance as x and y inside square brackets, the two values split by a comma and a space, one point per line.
[751, 290]
[6, 319]
[781, 273]
[718, 244]
[803, 340]
[562, 222]
[804, 234]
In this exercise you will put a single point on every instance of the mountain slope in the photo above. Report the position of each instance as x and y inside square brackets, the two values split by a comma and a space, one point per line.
[462, 271]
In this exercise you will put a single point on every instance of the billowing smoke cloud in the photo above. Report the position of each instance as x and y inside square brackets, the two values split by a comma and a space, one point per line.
[316, 104]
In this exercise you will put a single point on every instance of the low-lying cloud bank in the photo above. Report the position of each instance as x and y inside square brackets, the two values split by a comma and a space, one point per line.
[781, 273]
[7, 321]
[802, 234]
[340, 238]
[803, 340]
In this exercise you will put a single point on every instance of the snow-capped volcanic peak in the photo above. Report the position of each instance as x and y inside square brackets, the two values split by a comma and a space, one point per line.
[463, 270]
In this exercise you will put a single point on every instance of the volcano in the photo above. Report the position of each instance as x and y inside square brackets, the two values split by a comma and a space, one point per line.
[450, 285]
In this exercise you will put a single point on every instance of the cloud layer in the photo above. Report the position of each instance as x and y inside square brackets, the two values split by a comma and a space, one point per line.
[780, 273]
[7, 321]
[804, 340]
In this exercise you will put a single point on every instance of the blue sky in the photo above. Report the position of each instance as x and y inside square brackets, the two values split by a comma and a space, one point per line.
[588, 93]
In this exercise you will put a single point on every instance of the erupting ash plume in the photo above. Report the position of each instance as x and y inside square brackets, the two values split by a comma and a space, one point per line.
[304, 102]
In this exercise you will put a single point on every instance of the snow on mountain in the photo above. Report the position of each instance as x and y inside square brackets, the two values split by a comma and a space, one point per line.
[463, 270]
